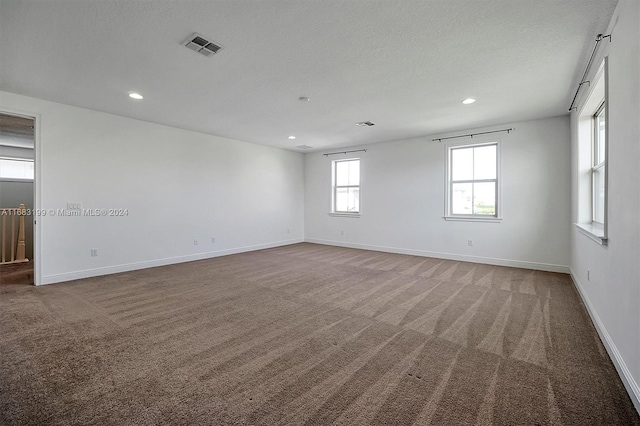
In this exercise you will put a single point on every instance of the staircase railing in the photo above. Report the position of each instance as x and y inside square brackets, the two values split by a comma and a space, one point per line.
[13, 249]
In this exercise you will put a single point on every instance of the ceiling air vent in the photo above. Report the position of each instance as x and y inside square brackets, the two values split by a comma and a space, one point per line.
[200, 44]
[365, 123]
[304, 146]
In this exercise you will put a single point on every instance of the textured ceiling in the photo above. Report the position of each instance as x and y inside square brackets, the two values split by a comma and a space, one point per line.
[406, 65]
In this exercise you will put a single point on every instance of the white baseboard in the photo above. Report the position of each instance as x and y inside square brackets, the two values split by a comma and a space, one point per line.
[623, 371]
[94, 272]
[449, 256]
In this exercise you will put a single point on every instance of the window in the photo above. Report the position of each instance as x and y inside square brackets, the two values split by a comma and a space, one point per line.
[11, 168]
[592, 159]
[598, 165]
[472, 181]
[346, 186]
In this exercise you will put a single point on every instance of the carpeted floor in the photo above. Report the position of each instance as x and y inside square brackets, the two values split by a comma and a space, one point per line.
[307, 334]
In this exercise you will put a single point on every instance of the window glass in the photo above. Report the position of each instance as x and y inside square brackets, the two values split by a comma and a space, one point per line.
[600, 137]
[16, 169]
[484, 198]
[354, 172]
[462, 164]
[347, 200]
[462, 198]
[484, 162]
[473, 181]
[599, 165]
[346, 188]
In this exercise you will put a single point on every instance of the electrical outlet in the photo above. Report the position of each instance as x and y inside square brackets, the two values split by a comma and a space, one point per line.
[195, 241]
[342, 232]
[94, 252]
[470, 243]
[288, 231]
[213, 239]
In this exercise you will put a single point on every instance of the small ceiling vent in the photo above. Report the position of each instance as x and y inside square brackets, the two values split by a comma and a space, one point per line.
[201, 45]
[304, 146]
[365, 123]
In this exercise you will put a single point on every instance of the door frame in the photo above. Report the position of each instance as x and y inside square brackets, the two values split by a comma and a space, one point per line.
[37, 224]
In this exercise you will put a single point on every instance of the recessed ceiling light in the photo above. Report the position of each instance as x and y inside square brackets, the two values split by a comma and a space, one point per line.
[292, 137]
[468, 101]
[135, 95]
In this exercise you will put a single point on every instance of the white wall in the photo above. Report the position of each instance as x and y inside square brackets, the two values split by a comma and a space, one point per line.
[177, 185]
[403, 193]
[612, 288]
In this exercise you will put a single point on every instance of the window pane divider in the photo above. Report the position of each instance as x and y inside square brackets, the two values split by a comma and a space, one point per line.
[474, 181]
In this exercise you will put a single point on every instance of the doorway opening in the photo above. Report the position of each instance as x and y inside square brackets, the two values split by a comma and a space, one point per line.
[17, 199]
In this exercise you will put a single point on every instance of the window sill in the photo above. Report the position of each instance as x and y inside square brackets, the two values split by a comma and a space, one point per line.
[473, 219]
[344, 214]
[593, 231]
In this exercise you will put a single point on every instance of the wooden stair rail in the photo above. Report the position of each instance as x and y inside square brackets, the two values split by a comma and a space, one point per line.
[16, 247]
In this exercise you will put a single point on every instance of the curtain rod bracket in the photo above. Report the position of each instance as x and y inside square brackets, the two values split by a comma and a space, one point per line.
[600, 37]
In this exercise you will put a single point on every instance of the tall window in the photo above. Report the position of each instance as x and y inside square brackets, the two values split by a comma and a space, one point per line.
[346, 186]
[592, 168]
[473, 181]
[598, 165]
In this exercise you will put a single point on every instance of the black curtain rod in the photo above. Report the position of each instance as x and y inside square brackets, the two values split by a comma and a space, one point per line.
[586, 70]
[471, 135]
[344, 152]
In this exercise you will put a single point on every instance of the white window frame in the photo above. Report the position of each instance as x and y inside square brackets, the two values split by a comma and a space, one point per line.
[335, 187]
[588, 163]
[449, 215]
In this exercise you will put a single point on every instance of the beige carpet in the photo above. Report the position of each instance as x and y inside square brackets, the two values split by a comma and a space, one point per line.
[307, 334]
